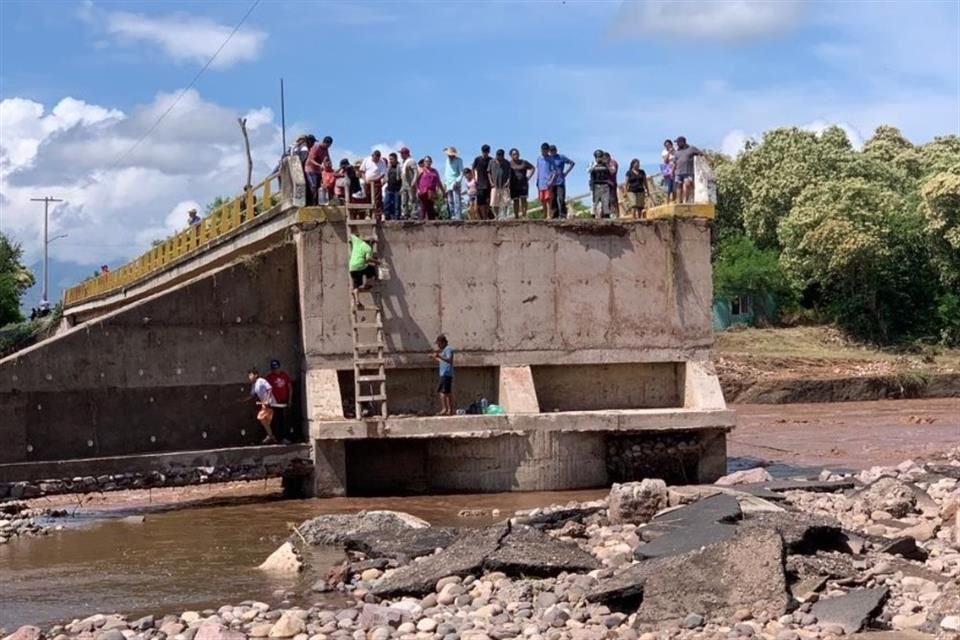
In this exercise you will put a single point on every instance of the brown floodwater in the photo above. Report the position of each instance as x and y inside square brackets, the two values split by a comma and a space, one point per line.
[196, 558]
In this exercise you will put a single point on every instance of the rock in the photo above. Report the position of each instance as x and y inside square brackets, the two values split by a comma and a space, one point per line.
[26, 632]
[171, 628]
[717, 581]
[692, 621]
[851, 611]
[285, 560]
[905, 547]
[373, 615]
[215, 631]
[950, 623]
[922, 532]
[261, 630]
[142, 624]
[369, 575]
[530, 552]
[890, 495]
[816, 486]
[913, 621]
[336, 529]
[807, 587]
[756, 475]
[691, 527]
[287, 626]
[189, 617]
[621, 591]
[427, 625]
[637, 502]
[112, 634]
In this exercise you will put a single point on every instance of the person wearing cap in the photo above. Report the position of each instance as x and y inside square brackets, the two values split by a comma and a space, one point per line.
[545, 180]
[481, 169]
[282, 387]
[192, 218]
[684, 155]
[452, 175]
[408, 183]
[562, 166]
[313, 167]
[600, 184]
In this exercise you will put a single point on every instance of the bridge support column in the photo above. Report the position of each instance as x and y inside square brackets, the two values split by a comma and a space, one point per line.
[329, 468]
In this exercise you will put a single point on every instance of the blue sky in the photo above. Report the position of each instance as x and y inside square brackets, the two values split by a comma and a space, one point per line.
[617, 75]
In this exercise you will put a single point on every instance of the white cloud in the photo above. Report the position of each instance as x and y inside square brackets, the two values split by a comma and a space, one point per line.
[722, 20]
[186, 38]
[819, 126]
[194, 156]
[734, 142]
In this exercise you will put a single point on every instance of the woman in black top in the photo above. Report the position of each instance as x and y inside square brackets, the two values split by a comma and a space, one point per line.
[520, 173]
[636, 184]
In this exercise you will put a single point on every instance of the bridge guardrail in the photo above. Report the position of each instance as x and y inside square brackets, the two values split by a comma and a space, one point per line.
[231, 215]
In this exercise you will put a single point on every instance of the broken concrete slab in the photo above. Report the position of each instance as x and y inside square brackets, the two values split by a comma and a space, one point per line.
[402, 545]
[464, 557]
[530, 552]
[817, 486]
[621, 590]
[852, 611]
[945, 470]
[905, 547]
[807, 587]
[690, 527]
[717, 581]
[559, 517]
[802, 533]
[833, 565]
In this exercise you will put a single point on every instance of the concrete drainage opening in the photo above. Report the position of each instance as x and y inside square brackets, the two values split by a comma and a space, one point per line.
[595, 387]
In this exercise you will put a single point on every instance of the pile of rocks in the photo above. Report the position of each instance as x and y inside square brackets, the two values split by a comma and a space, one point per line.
[18, 519]
[673, 457]
[779, 560]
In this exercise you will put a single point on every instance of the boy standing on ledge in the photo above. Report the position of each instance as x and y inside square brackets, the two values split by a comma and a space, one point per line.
[444, 355]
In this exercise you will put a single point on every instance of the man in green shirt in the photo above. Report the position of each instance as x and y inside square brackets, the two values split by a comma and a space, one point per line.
[363, 266]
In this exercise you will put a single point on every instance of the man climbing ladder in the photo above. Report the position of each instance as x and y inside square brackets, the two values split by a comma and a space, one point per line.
[370, 388]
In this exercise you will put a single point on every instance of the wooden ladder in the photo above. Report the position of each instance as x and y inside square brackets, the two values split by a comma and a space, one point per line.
[369, 375]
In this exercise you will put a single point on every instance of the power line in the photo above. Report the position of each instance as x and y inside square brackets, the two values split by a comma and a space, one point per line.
[182, 91]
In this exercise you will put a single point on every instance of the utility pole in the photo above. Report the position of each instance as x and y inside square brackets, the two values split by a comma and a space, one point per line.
[46, 200]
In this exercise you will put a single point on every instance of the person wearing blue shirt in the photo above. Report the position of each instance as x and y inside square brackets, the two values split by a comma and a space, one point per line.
[562, 165]
[444, 355]
[545, 177]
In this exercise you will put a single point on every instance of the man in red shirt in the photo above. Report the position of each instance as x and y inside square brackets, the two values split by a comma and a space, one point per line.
[283, 395]
[313, 167]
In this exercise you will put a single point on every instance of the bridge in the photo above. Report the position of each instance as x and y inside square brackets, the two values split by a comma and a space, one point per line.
[593, 336]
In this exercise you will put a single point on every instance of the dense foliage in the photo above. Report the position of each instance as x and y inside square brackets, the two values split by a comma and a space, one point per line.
[15, 279]
[869, 239]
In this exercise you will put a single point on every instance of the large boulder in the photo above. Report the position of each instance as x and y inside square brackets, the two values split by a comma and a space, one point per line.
[744, 572]
[637, 502]
[285, 560]
[890, 495]
[337, 529]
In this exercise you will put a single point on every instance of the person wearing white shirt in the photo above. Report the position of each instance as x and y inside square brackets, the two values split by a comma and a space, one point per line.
[374, 170]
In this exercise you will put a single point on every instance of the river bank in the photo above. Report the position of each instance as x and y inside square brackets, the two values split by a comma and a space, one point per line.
[879, 548]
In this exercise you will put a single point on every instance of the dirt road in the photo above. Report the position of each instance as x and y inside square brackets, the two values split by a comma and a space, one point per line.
[854, 435]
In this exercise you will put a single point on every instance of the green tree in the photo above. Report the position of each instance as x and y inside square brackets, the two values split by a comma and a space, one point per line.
[215, 204]
[741, 268]
[731, 193]
[15, 279]
[864, 249]
[940, 210]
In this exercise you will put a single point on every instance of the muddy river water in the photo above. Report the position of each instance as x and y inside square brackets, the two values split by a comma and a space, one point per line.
[205, 556]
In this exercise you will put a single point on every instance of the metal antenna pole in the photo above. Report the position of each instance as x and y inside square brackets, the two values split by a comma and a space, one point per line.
[46, 200]
[283, 120]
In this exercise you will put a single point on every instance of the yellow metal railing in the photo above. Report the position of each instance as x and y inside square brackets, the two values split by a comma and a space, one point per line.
[231, 215]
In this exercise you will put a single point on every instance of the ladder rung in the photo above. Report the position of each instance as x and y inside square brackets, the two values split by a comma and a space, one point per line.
[368, 363]
[373, 398]
[375, 378]
[361, 222]
[368, 325]
[368, 345]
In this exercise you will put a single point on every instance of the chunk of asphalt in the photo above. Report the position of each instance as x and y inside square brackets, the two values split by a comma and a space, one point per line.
[531, 552]
[851, 611]
[558, 518]
[402, 545]
[802, 533]
[691, 527]
[622, 590]
[817, 486]
[905, 547]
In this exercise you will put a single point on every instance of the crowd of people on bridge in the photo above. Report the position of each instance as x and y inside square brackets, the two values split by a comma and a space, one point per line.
[493, 186]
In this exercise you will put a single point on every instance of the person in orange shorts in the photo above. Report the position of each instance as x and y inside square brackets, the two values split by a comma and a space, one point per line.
[262, 393]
